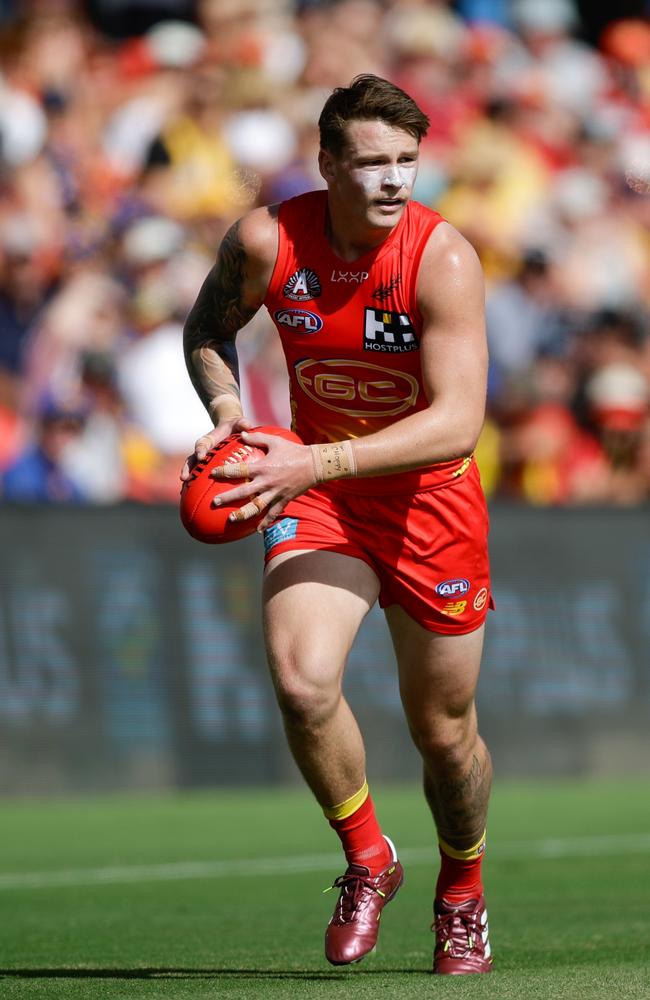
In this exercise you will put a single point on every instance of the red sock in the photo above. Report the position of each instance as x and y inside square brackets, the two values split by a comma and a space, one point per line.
[360, 833]
[460, 873]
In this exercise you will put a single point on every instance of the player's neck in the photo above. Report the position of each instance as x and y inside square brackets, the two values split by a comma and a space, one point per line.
[350, 243]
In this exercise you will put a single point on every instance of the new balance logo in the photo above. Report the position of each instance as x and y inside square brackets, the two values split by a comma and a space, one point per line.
[453, 608]
[389, 332]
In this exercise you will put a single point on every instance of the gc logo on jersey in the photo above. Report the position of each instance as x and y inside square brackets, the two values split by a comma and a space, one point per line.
[302, 285]
[356, 388]
[299, 320]
[388, 332]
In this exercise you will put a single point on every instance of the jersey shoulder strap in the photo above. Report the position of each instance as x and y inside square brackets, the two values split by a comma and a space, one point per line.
[301, 227]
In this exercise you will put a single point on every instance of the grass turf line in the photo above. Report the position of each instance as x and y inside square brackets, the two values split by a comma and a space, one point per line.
[561, 927]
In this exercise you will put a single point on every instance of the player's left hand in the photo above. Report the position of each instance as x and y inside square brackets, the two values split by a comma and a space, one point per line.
[286, 471]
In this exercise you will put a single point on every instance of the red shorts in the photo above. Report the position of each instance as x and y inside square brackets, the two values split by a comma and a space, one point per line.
[428, 549]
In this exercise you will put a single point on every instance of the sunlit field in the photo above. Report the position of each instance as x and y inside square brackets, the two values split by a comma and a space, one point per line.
[220, 894]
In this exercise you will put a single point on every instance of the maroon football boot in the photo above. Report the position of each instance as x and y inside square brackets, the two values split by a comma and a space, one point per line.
[462, 944]
[352, 932]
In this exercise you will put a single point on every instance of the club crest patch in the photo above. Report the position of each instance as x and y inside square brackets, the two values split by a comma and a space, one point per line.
[481, 599]
[302, 285]
[388, 332]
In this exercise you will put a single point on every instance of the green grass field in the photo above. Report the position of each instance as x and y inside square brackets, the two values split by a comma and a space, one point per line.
[219, 894]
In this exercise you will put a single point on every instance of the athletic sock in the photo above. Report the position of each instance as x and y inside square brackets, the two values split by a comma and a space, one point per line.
[356, 825]
[460, 872]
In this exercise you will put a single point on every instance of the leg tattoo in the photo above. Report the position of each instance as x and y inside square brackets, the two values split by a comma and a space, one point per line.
[459, 798]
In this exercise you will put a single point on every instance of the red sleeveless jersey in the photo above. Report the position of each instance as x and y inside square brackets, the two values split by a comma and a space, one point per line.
[351, 334]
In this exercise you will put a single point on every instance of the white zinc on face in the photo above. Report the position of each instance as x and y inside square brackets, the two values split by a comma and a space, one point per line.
[393, 177]
[381, 157]
[373, 179]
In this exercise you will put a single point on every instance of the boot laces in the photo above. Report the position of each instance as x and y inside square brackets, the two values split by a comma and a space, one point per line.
[456, 926]
[354, 890]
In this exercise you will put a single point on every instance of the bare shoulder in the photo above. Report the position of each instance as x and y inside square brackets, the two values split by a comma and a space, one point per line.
[247, 255]
[450, 286]
[448, 255]
[257, 234]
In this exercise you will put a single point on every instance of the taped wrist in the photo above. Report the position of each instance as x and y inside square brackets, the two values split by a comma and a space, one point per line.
[333, 461]
[224, 407]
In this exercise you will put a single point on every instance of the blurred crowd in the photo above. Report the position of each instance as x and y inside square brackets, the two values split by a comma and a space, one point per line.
[132, 134]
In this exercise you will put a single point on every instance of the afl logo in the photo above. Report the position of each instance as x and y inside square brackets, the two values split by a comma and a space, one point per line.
[357, 388]
[299, 320]
[302, 285]
[450, 588]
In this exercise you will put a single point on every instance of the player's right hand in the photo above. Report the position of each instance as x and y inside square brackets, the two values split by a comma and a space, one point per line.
[211, 439]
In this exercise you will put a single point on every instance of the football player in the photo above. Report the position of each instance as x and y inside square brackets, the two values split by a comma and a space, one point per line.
[379, 306]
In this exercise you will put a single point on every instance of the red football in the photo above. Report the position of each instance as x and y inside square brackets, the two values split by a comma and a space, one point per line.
[210, 524]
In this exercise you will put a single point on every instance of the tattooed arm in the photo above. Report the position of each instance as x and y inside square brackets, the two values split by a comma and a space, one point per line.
[230, 296]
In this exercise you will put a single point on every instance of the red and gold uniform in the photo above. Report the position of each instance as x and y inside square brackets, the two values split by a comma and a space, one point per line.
[351, 337]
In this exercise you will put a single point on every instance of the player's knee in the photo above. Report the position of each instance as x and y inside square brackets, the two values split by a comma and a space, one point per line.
[306, 704]
[446, 743]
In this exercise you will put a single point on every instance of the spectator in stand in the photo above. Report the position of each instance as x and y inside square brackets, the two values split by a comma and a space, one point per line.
[523, 319]
[613, 397]
[96, 457]
[498, 178]
[87, 313]
[547, 457]
[556, 66]
[25, 286]
[149, 366]
[38, 473]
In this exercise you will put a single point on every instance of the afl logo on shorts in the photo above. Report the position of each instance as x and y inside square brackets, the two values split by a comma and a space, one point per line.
[302, 285]
[357, 388]
[299, 320]
[451, 588]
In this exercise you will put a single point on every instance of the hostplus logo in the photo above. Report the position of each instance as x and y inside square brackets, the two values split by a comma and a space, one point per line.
[388, 332]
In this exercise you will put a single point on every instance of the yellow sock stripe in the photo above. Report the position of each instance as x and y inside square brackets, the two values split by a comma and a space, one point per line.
[345, 809]
[469, 855]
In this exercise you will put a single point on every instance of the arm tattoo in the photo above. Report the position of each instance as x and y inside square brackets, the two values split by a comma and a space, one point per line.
[212, 325]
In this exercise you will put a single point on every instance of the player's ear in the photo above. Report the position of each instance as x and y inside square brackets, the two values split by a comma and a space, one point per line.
[326, 165]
